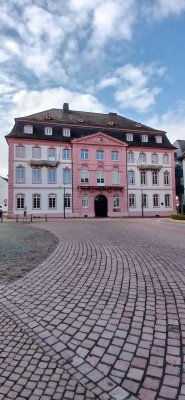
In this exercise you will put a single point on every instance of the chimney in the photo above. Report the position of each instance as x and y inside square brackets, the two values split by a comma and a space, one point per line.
[66, 108]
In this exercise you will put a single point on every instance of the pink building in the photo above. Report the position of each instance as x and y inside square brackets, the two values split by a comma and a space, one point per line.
[73, 163]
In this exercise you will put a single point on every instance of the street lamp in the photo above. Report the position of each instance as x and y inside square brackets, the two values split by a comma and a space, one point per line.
[64, 202]
[142, 205]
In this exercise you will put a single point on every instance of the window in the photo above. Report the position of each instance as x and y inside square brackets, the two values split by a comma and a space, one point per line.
[66, 154]
[129, 137]
[167, 200]
[51, 154]
[20, 174]
[144, 200]
[36, 201]
[52, 201]
[154, 158]
[84, 176]
[144, 138]
[155, 178]
[99, 154]
[132, 200]
[66, 132]
[28, 129]
[166, 178]
[48, 130]
[156, 200]
[115, 155]
[20, 151]
[66, 176]
[142, 157]
[115, 177]
[20, 201]
[166, 158]
[116, 201]
[131, 177]
[143, 177]
[158, 139]
[67, 201]
[100, 178]
[84, 154]
[52, 174]
[36, 152]
[84, 201]
[130, 157]
[36, 175]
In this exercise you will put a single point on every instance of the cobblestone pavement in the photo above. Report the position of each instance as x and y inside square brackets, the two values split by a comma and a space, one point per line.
[102, 318]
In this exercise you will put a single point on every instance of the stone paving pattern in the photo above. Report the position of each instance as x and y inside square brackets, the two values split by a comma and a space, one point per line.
[103, 317]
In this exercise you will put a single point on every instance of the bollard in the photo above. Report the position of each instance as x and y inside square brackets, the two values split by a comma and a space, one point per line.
[1, 215]
[31, 217]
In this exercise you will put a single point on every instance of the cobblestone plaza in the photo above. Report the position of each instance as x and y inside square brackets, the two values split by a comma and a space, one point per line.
[102, 317]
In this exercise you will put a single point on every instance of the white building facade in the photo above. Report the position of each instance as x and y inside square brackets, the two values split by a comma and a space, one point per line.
[3, 194]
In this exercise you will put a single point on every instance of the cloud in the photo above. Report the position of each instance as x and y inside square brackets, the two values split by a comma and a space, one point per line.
[134, 85]
[161, 9]
[172, 122]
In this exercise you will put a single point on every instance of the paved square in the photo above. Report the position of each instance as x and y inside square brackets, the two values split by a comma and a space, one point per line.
[103, 317]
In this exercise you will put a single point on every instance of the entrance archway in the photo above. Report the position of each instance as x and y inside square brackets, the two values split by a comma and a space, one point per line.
[100, 206]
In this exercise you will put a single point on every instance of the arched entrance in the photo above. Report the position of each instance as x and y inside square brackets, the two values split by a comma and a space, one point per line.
[100, 206]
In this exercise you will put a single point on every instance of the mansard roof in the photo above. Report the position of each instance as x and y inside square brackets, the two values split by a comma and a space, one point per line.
[83, 124]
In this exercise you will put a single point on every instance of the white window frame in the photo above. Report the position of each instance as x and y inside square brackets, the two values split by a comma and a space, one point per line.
[156, 200]
[166, 178]
[130, 157]
[144, 200]
[115, 177]
[67, 176]
[100, 179]
[129, 137]
[167, 200]
[154, 158]
[132, 200]
[67, 200]
[84, 154]
[155, 178]
[36, 152]
[48, 130]
[28, 129]
[36, 178]
[158, 139]
[84, 176]
[36, 201]
[142, 158]
[116, 201]
[115, 155]
[144, 138]
[66, 154]
[53, 175]
[99, 155]
[143, 177]
[131, 177]
[20, 151]
[52, 201]
[85, 201]
[51, 154]
[166, 158]
[66, 132]
[20, 201]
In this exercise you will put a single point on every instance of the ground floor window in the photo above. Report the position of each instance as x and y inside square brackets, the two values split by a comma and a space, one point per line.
[116, 201]
[67, 201]
[52, 201]
[20, 201]
[132, 200]
[85, 201]
[36, 201]
[156, 200]
[144, 200]
[167, 200]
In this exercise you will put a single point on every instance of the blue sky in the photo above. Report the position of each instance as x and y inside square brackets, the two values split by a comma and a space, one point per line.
[126, 56]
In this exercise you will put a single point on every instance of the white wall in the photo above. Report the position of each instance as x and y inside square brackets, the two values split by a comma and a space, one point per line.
[3, 194]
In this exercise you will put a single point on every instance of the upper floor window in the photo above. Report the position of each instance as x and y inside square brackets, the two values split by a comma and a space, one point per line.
[130, 157]
[115, 177]
[36, 201]
[51, 154]
[100, 178]
[158, 139]
[167, 200]
[66, 154]
[20, 200]
[131, 177]
[142, 157]
[156, 200]
[154, 158]
[155, 178]
[52, 175]
[84, 154]
[67, 201]
[129, 137]
[144, 138]
[116, 201]
[52, 201]
[115, 155]
[166, 178]
[20, 174]
[28, 129]
[166, 158]
[48, 130]
[143, 177]
[66, 176]
[66, 132]
[132, 200]
[36, 175]
[36, 152]
[20, 151]
[99, 154]
[84, 176]
[85, 201]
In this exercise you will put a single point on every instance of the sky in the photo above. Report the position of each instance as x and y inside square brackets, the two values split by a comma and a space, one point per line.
[124, 56]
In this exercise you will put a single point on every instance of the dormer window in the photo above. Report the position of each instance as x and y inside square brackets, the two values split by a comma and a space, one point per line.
[28, 129]
[144, 138]
[48, 130]
[66, 132]
[129, 137]
[158, 139]
[110, 122]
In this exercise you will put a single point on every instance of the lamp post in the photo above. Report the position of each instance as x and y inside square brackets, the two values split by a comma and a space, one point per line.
[142, 210]
[64, 202]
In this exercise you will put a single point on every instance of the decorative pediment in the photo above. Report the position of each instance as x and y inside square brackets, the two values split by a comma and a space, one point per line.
[100, 139]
